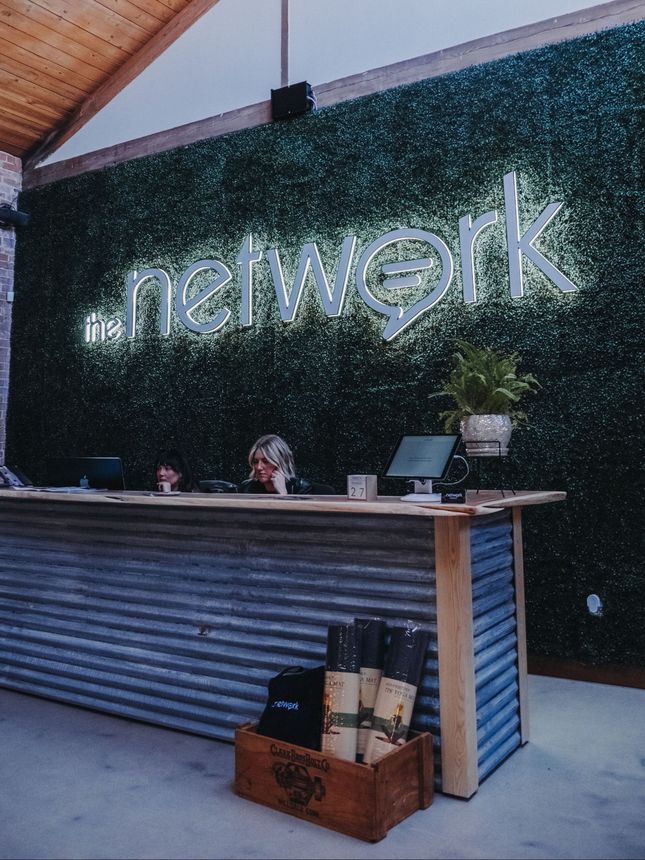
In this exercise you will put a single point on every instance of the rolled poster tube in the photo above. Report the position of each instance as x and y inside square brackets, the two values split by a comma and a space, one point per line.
[341, 692]
[373, 636]
[397, 691]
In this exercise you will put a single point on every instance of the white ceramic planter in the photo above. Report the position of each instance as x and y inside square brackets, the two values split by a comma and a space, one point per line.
[481, 433]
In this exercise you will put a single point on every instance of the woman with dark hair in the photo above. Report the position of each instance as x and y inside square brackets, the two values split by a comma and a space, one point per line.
[273, 469]
[172, 467]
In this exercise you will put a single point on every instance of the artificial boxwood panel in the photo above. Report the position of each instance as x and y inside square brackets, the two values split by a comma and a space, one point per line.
[567, 119]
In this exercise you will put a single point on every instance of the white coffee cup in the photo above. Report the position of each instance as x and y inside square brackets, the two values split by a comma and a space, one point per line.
[163, 487]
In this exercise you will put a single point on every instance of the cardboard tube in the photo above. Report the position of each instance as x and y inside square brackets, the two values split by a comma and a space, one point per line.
[373, 633]
[342, 687]
[397, 692]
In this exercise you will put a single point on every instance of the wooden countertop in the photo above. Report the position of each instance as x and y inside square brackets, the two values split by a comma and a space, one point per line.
[477, 504]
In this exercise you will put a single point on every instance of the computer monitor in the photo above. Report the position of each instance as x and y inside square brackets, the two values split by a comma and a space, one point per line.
[102, 473]
[424, 458]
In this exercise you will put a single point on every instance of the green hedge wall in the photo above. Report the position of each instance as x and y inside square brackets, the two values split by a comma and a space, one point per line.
[567, 119]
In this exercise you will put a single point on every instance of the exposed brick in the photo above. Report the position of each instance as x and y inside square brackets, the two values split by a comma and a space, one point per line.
[10, 182]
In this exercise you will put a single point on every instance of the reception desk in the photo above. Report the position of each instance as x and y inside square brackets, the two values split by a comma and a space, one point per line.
[178, 609]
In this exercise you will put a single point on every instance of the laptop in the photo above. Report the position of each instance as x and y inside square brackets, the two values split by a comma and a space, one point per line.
[95, 473]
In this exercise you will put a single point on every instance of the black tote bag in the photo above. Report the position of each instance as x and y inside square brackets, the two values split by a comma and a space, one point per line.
[293, 712]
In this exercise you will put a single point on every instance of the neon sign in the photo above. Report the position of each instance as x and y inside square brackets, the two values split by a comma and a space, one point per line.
[397, 276]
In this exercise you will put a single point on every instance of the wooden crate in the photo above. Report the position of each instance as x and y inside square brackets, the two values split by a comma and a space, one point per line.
[360, 800]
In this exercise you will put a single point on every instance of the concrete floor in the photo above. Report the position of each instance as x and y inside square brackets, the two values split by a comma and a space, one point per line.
[79, 784]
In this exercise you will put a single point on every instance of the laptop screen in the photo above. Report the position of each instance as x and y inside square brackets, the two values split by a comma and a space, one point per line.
[420, 456]
[102, 473]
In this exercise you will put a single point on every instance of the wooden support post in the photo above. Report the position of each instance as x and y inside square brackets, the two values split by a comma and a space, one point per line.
[457, 706]
[284, 44]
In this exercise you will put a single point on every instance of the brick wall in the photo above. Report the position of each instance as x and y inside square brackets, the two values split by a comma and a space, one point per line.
[10, 184]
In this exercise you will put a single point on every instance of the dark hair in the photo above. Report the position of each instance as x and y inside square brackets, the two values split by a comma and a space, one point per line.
[173, 458]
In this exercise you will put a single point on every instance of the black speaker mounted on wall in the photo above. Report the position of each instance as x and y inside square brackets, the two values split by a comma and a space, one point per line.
[292, 101]
[12, 217]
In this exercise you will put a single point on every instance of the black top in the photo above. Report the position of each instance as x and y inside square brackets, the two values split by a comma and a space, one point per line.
[295, 487]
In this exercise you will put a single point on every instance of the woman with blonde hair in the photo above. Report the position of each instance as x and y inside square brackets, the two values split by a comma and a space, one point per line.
[273, 469]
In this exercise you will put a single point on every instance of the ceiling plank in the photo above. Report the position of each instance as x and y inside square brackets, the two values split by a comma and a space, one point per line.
[97, 19]
[34, 21]
[127, 73]
[12, 123]
[174, 5]
[28, 53]
[137, 15]
[29, 103]
[15, 139]
[160, 9]
[27, 84]
[24, 89]
[27, 113]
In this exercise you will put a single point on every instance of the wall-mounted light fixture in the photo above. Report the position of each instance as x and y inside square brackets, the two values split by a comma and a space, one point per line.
[292, 101]
[13, 217]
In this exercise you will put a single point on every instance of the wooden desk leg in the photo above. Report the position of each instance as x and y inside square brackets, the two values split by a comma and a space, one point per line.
[457, 706]
[520, 621]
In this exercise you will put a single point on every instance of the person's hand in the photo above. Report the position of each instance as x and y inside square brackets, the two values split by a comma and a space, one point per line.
[279, 483]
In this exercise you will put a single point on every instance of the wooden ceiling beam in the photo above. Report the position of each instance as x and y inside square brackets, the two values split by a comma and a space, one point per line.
[120, 79]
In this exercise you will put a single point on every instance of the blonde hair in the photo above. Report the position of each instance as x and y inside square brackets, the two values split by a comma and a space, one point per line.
[277, 452]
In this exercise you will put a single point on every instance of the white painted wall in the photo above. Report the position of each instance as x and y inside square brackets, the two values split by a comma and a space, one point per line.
[231, 56]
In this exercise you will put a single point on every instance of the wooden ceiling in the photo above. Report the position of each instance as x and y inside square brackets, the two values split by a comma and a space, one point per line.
[61, 61]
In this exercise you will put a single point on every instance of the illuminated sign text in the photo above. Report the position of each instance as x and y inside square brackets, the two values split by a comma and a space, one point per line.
[396, 276]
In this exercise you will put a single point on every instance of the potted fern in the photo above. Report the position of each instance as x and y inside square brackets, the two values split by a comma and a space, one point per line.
[486, 390]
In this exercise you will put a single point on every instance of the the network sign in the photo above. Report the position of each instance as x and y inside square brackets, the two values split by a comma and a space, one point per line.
[396, 277]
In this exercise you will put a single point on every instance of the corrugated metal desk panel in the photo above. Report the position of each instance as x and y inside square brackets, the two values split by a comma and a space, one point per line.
[177, 610]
